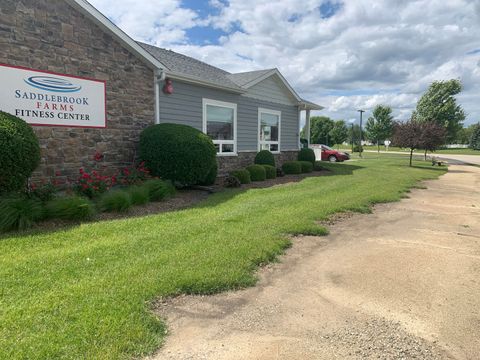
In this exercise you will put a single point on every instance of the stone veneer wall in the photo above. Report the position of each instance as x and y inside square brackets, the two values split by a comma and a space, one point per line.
[51, 35]
[243, 159]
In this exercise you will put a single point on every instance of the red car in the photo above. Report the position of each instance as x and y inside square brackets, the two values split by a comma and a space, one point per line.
[332, 155]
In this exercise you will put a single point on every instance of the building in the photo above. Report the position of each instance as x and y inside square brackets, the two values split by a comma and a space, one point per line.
[87, 87]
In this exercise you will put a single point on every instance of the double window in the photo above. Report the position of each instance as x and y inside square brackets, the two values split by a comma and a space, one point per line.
[269, 130]
[220, 123]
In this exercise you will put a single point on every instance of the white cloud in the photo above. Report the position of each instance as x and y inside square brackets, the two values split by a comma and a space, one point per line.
[369, 52]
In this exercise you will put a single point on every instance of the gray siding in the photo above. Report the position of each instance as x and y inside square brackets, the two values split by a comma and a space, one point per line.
[271, 89]
[184, 106]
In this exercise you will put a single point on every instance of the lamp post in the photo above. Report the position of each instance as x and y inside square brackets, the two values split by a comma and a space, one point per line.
[361, 133]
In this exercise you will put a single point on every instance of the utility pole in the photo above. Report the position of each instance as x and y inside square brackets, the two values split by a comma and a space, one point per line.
[361, 132]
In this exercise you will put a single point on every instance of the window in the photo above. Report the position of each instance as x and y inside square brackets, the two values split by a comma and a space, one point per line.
[269, 130]
[220, 123]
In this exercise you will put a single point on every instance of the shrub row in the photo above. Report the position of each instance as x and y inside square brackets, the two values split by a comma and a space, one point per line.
[20, 211]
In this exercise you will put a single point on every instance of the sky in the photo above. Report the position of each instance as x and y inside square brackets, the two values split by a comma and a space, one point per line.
[343, 55]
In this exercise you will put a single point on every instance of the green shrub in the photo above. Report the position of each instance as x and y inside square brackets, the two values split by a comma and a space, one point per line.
[265, 157]
[318, 166]
[115, 200]
[307, 166]
[158, 189]
[243, 175]
[19, 212]
[139, 194]
[211, 177]
[292, 167]
[232, 182]
[257, 172]
[306, 154]
[19, 153]
[270, 171]
[357, 148]
[70, 208]
[177, 152]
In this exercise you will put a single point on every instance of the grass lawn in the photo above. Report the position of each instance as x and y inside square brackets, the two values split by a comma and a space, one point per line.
[85, 291]
[393, 148]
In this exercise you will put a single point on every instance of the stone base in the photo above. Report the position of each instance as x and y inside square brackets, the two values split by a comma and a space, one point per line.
[244, 159]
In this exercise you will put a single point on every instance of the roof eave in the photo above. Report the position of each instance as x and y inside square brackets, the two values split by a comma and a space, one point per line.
[108, 26]
[308, 105]
[198, 81]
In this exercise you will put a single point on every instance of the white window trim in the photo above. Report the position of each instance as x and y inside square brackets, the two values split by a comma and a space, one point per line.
[229, 105]
[272, 112]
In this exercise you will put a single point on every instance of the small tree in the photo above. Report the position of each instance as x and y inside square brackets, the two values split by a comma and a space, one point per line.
[475, 139]
[320, 127]
[408, 135]
[339, 132]
[379, 126]
[432, 136]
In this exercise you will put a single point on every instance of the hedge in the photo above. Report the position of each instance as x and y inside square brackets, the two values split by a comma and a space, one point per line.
[242, 175]
[292, 167]
[306, 154]
[265, 157]
[257, 172]
[307, 166]
[270, 171]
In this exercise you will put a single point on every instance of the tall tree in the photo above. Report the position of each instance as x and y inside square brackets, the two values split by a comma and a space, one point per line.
[339, 132]
[379, 126]
[320, 127]
[354, 133]
[475, 138]
[440, 105]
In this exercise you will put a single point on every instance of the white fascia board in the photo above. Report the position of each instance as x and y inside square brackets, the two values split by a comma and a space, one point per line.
[108, 26]
[194, 80]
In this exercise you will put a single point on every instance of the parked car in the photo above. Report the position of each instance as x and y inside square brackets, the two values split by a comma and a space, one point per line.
[332, 155]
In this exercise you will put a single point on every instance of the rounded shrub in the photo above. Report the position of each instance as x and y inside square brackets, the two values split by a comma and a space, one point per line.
[307, 166]
[292, 167]
[70, 208]
[158, 189]
[139, 195]
[177, 152]
[257, 172]
[19, 212]
[270, 171]
[19, 152]
[243, 175]
[264, 157]
[232, 182]
[212, 176]
[115, 200]
[306, 154]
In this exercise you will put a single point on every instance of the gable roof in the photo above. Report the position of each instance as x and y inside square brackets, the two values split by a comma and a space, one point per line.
[109, 27]
[187, 68]
[244, 78]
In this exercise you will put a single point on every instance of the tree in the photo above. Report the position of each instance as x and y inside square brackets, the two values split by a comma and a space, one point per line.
[439, 104]
[354, 133]
[407, 135]
[339, 132]
[465, 134]
[379, 126]
[475, 139]
[432, 135]
[320, 127]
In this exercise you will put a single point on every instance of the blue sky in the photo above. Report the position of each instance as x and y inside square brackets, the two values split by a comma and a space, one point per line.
[342, 54]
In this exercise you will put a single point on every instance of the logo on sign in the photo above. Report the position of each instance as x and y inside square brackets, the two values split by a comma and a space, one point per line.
[51, 83]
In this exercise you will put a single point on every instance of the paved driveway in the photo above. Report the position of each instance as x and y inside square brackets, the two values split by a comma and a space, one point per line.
[401, 283]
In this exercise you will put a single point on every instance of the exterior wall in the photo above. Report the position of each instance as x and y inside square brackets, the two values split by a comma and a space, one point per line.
[229, 163]
[51, 35]
[184, 106]
[271, 89]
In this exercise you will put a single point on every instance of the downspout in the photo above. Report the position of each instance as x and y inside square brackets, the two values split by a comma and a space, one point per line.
[159, 76]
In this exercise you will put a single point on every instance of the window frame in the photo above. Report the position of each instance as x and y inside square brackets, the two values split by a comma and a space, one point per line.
[224, 104]
[265, 142]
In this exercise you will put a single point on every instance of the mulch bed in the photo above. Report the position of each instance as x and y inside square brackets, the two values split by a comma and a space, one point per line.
[182, 200]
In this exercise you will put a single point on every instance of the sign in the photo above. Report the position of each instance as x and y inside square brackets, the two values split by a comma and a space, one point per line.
[46, 98]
